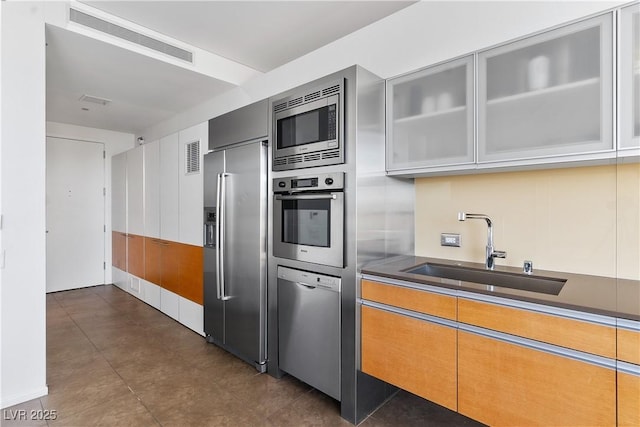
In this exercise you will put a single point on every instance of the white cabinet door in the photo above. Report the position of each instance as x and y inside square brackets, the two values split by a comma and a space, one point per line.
[135, 191]
[548, 95]
[192, 143]
[119, 192]
[120, 278]
[170, 304]
[191, 315]
[630, 79]
[152, 189]
[169, 188]
[430, 117]
[151, 294]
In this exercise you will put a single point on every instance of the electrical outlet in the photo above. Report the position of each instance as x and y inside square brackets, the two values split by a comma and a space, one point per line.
[450, 239]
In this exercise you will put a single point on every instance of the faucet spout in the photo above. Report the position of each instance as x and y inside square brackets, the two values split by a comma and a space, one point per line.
[491, 253]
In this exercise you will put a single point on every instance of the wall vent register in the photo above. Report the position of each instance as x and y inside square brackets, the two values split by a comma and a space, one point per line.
[192, 157]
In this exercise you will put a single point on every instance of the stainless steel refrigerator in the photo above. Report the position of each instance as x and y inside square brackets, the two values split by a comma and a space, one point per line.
[235, 260]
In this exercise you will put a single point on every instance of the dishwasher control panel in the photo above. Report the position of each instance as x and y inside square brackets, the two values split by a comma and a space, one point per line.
[309, 279]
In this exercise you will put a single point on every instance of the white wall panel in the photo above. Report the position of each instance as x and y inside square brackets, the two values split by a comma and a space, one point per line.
[192, 315]
[170, 304]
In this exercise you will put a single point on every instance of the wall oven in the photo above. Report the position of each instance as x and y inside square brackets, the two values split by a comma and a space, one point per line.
[308, 218]
[308, 129]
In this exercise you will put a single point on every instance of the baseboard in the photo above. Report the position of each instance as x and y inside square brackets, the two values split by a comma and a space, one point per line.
[21, 398]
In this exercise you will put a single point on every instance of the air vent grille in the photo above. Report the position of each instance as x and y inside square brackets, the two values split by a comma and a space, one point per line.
[331, 90]
[295, 102]
[295, 159]
[129, 35]
[312, 96]
[192, 156]
[279, 107]
[331, 154]
[312, 157]
[280, 162]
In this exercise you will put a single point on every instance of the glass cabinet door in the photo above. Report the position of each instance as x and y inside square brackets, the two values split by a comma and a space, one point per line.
[430, 117]
[548, 94]
[630, 78]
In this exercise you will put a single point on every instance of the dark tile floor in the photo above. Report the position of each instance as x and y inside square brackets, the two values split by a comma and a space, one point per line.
[112, 360]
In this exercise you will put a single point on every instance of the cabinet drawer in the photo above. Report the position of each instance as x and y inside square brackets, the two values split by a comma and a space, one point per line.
[501, 383]
[410, 299]
[628, 346]
[574, 334]
[415, 355]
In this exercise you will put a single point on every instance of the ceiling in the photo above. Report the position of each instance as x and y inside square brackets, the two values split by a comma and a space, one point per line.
[143, 91]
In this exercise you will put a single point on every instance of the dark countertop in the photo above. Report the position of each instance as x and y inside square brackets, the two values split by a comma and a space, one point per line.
[592, 294]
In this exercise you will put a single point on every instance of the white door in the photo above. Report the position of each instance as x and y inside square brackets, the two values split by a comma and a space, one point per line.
[75, 214]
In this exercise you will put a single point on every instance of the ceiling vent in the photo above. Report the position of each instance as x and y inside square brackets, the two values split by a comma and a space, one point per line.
[128, 35]
[95, 99]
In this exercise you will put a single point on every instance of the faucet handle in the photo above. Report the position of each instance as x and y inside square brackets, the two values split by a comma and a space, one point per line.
[499, 254]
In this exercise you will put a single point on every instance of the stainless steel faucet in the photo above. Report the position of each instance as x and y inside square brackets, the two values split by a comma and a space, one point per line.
[491, 253]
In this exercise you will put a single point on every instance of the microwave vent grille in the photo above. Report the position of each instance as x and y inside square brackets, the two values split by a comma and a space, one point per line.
[312, 96]
[295, 102]
[331, 90]
[280, 107]
[331, 154]
[295, 159]
[280, 162]
[312, 157]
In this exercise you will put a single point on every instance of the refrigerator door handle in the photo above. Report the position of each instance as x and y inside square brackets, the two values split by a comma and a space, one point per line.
[218, 235]
[220, 246]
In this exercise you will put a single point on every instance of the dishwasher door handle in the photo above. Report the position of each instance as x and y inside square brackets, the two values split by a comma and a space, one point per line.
[305, 285]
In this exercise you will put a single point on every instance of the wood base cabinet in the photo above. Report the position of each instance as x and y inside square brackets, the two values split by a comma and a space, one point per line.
[503, 383]
[629, 396]
[416, 355]
[176, 267]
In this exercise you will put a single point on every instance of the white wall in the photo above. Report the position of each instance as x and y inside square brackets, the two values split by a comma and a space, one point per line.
[419, 35]
[114, 143]
[22, 144]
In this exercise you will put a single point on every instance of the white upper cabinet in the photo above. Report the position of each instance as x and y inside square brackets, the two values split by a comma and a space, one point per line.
[135, 191]
[629, 75]
[548, 95]
[430, 118]
[119, 192]
[170, 188]
[193, 141]
[152, 189]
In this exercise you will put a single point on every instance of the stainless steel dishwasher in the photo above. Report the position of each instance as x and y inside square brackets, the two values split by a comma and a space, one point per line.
[309, 328]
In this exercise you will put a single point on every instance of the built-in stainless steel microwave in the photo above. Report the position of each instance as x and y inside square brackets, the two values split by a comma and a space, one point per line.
[307, 129]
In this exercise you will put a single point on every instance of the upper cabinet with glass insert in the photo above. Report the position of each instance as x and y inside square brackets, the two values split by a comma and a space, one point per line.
[430, 118]
[548, 95]
[629, 73]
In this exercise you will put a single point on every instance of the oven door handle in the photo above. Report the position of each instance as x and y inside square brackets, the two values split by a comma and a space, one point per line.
[306, 196]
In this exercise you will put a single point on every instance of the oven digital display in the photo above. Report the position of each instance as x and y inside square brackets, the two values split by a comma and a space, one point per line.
[304, 183]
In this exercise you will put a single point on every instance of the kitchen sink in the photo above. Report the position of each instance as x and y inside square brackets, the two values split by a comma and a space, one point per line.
[525, 282]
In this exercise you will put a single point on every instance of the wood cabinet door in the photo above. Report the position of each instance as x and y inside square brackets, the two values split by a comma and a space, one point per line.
[152, 260]
[415, 355]
[135, 255]
[191, 273]
[170, 260]
[628, 399]
[119, 250]
[501, 383]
